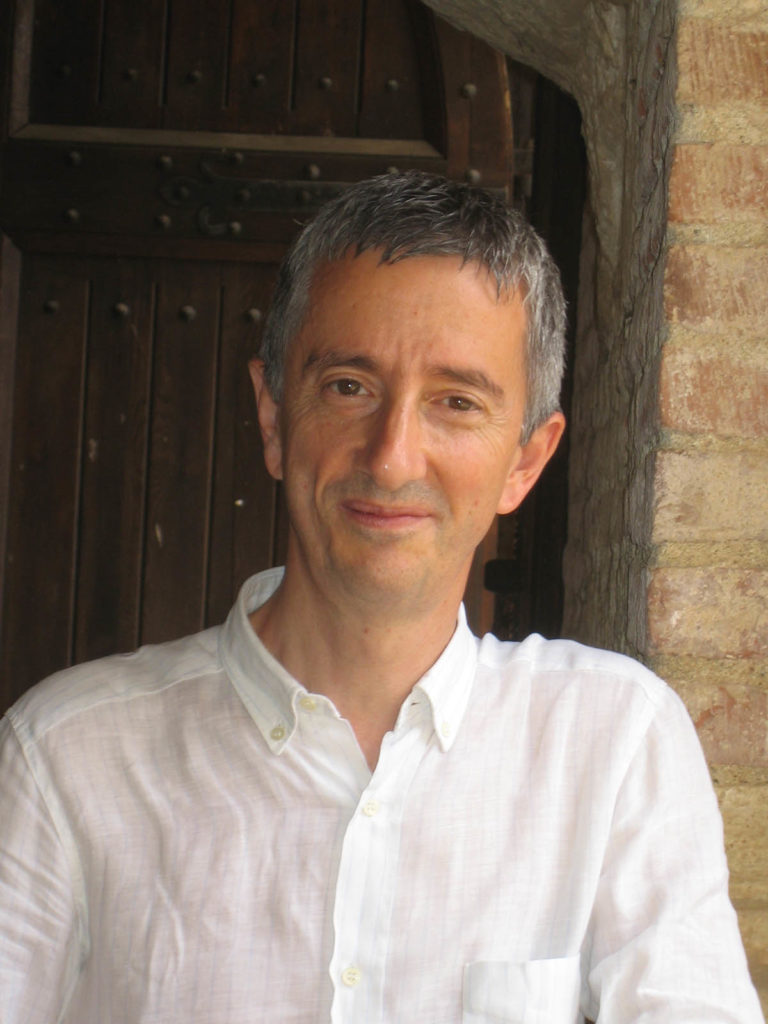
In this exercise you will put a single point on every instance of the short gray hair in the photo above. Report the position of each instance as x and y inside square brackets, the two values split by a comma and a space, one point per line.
[418, 214]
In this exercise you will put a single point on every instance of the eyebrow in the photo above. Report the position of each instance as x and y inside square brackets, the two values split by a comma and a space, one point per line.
[336, 357]
[466, 376]
[471, 378]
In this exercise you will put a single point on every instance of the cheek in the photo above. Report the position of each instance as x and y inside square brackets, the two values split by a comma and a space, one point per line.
[478, 485]
[477, 469]
[311, 457]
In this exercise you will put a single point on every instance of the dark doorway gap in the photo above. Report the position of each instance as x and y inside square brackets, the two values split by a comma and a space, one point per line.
[550, 188]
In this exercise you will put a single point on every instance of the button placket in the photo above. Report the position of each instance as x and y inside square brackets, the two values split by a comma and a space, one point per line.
[367, 881]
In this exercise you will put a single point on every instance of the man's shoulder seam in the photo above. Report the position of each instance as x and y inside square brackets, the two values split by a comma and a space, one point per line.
[150, 670]
[550, 657]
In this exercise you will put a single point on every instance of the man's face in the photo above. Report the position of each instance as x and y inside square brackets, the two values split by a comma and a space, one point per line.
[398, 434]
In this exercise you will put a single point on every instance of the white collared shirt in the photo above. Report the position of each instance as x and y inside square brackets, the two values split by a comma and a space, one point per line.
[190, 836]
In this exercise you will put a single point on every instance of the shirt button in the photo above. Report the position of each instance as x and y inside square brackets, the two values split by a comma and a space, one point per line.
[278, 733]
[445, 730]
[371, 808]
[351, 976]
[308, 704]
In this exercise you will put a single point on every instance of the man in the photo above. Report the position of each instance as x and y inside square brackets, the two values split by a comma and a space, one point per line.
[341, 805]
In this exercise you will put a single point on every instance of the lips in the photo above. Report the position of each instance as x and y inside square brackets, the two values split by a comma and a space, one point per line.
[376, 515]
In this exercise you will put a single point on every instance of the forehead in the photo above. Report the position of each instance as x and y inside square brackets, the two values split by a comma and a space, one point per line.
[436, 293]
[425, 318]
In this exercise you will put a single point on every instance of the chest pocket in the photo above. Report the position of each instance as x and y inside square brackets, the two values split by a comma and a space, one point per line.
[534, 992]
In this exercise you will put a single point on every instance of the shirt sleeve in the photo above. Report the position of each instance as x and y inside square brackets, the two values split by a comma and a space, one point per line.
[39, 950]
[666, 947]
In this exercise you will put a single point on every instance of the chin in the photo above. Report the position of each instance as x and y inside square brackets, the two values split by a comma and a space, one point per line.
[391, 585]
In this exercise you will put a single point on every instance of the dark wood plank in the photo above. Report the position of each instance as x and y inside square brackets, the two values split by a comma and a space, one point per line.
[522, 92]
[261, 65]
[114, 471]
[328, 58]
[10, 274]
[244, 497]
[65, 61]
[45, 473]
[136, 246]
[455, 62]
[16, 35]
[390, 102]
[198, 51]
[425, 35]
[132, 63]
[163, 195]
[491, 150]
[180, 455]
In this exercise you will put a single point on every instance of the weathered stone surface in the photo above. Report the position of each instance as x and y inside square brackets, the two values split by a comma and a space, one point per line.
[711, 183]
[718, 62]
[711, 613]
[753, 923]
[615, 416]
[717, 388]
[746, 838]
[715, 497]
[740, 123]
[680, 670]
[746, 843]
[709, 287]
[730, 721]
[744, 12]
[742, 554]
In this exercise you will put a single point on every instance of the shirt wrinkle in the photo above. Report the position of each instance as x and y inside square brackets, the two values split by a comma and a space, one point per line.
[94, 683]
[503, 861]
[45, 788]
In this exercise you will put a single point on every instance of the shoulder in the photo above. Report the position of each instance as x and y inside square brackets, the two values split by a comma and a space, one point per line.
[596, 710]
[112, 682]
[570, 672]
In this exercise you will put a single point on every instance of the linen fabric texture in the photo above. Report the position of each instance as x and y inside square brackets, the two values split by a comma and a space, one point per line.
[188, 834]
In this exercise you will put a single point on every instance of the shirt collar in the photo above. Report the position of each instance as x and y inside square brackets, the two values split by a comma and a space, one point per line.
[448, 683]
[270, 693]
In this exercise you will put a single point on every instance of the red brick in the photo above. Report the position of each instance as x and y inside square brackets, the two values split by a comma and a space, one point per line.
[710, 391]
[712, 496]
[746, 837]
[732, 723]
[709, 287]
[718, 64]
[709, 612]
[714, 182]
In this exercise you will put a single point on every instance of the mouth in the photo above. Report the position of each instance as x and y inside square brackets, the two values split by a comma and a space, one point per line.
[385, 517]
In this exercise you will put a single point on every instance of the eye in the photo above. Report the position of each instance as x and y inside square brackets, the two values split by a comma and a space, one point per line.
[460, 403]
[347, 386]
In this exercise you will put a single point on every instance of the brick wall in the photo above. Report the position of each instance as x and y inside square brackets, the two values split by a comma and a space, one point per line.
[708, 582]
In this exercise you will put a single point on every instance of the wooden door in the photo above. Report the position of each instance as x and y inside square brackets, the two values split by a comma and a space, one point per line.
[156, 162]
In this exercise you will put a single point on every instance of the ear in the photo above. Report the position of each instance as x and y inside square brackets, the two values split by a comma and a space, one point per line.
[530, 460]
[269, 420]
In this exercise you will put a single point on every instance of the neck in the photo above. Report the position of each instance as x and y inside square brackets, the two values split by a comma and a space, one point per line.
[366, 663]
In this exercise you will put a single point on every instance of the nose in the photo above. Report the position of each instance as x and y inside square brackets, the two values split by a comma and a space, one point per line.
[394, 449]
